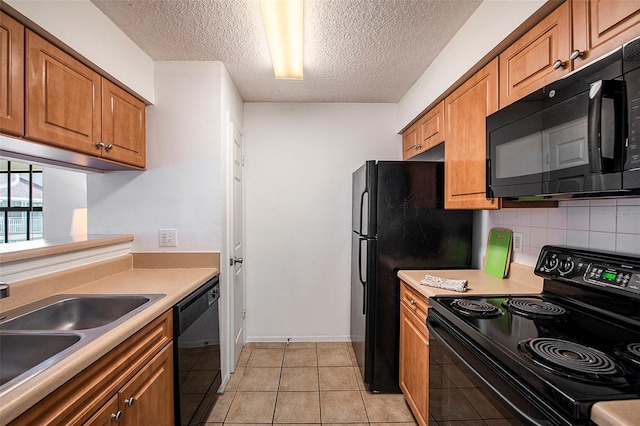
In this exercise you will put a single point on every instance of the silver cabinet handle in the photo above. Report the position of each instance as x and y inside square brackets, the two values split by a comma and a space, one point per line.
[100, 145]
[557, 64]
[576, 54]
[130, 401]
[413, 302]
[116, 416]
[109, 147]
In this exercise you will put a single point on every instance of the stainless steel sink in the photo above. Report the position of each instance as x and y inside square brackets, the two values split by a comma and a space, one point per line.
[36, 336]
[21, 352]
[75, 313]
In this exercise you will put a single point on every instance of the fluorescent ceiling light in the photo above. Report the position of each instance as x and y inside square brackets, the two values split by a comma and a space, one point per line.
[283, 24]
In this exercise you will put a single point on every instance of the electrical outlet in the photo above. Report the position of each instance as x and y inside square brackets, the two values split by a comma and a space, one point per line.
[517, 242]
[167, 238]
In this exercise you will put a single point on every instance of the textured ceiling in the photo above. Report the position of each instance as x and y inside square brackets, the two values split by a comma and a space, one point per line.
[355, 50]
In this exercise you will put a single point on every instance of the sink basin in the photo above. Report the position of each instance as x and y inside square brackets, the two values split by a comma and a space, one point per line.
[76, 313]
[36, 336]
[20, 352]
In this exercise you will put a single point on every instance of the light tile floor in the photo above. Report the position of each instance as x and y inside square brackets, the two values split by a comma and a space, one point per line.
[304, 383]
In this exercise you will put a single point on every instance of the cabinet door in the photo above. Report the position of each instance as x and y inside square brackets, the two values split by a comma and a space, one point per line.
[12, 71]
[414, 364]
[123, 126]
[466, 110]
[410, 141]
[63, 98]
[600, 26]
[108, 415]
[147, 399]
[528, 64]
[432, 128]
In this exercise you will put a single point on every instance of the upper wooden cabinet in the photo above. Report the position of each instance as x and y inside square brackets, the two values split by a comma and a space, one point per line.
[12, 76]
[410, 139]
[63, 98]
[466, 110]
[48, 96]
[123, 126]
[539, 57]
[600, 26]
[428, 132]
[577, 32]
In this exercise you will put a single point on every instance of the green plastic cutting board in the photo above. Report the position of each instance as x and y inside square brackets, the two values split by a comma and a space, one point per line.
[498, 252]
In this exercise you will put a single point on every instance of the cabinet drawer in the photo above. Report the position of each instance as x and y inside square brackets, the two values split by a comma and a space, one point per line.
[416, 302]
[78, 399]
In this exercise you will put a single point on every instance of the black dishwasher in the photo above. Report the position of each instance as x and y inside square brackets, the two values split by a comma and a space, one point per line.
[196, 334]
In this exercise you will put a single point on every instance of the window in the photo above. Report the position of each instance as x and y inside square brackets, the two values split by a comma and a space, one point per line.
[20, 201]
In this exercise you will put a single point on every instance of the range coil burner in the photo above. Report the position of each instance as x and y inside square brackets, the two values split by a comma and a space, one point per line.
[476, 309]
[535, 308]
[631, 352]
[571, 359]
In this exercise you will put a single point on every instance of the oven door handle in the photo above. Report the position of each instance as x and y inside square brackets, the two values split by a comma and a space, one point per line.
[524, 404]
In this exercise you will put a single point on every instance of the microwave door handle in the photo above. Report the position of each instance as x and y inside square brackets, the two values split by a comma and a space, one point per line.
[607, 101]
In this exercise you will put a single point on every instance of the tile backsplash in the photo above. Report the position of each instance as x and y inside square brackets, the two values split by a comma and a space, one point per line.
[603, 224]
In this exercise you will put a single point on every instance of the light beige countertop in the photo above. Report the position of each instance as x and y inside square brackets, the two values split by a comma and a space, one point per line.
[521, 280]
[616, 413]
[25, 250]
[110, 277]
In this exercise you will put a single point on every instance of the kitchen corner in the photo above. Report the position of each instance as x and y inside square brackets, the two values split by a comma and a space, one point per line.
[173, 275]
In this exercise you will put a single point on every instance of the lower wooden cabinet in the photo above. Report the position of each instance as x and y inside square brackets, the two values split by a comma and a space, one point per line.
[414, 352]
[131, 385]
[145, 399]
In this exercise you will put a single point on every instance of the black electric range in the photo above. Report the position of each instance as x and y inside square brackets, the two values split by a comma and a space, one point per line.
[550, 357]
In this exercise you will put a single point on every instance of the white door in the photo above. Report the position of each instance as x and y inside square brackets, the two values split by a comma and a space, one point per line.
[237, 247]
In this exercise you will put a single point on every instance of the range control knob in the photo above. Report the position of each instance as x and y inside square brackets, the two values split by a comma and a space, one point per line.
[565, 266]
[551, 262]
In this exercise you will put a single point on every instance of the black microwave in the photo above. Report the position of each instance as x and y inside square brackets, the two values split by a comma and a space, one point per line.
[576, 137]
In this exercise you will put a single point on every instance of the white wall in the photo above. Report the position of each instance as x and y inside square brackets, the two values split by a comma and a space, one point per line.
[84, 28]
[299, 160]
[64, 191]
[608, 224]
[181, 188]
[492, 22]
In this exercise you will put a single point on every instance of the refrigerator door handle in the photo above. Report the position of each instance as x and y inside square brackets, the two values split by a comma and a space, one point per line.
[362, 204]
[364, 283]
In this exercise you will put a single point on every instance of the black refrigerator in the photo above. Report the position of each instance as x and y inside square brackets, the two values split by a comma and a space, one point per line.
[399, 222]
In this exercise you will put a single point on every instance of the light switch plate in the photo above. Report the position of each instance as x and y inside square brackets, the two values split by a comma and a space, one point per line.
[167, 237]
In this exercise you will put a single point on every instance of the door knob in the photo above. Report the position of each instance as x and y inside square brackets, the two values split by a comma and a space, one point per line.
[235, 260]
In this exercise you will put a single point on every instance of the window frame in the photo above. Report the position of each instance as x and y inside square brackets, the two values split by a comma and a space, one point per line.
[5, 211]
